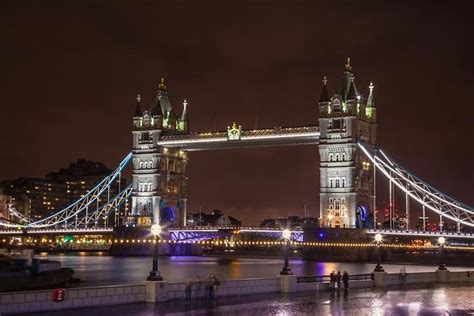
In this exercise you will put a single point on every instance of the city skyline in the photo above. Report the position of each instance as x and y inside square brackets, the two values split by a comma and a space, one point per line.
[81, 104]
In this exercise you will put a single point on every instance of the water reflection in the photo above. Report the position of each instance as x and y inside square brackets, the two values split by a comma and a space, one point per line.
[102, 269]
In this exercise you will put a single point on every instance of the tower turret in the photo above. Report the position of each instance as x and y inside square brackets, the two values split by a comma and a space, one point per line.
[324, 100]
[183, 122]
[370, 112]
[345, 196]
[137, 115]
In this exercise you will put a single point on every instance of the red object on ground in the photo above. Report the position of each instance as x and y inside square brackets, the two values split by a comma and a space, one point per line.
[58, 295]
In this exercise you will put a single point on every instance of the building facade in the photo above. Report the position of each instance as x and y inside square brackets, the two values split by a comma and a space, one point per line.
[159, 173]
[347, 194]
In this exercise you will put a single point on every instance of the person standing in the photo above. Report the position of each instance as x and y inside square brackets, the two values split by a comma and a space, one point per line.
[345, 280]
[215, 284]
[210, 286]
[332, 280]
[188, 290]
[198, 287]
[338, 280]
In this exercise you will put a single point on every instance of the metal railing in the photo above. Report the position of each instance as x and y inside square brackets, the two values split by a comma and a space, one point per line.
[326, 278]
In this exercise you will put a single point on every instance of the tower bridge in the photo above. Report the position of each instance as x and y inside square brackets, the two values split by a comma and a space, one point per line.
[345, 137]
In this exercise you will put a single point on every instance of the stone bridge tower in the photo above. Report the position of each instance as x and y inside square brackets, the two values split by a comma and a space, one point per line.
[159, 173]
[347, 195]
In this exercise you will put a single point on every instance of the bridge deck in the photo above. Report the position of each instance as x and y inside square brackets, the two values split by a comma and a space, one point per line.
[278, 136]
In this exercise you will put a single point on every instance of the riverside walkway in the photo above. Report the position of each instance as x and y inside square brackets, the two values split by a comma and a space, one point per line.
[396, 300]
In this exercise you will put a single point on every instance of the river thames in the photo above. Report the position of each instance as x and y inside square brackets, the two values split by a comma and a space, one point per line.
[100, 269]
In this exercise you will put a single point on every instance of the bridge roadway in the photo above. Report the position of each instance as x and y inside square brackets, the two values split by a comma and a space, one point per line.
[242, 230]
[278, 136]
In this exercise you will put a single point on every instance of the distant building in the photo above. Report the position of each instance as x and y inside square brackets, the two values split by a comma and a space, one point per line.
[5, 202]
[215, 218]
[291, 222]
[37, 197]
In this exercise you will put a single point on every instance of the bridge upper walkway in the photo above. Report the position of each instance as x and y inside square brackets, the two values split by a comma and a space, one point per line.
[277, 136]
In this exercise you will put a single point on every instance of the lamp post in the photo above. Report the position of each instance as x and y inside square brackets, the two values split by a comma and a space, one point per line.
[441, 242]
[378, 240]
[286, 268]
[155, 274]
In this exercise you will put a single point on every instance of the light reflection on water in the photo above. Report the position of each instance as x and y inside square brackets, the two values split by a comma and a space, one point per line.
[101, 269]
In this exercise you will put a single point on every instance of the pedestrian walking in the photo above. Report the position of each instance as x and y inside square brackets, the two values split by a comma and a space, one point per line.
[345, 280]
[338, 280]
[188, 290]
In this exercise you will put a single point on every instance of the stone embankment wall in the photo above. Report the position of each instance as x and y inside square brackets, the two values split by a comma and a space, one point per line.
[41, 300]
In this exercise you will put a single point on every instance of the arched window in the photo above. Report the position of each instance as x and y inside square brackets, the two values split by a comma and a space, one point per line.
[337, 182]
[336, 157]
[343, 156]
[330, 182]
[337, 206]
[140, 165]
[330, 156]
[343, 182]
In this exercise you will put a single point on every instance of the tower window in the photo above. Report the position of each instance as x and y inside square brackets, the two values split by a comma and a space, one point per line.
[337, 182]
[145, 136]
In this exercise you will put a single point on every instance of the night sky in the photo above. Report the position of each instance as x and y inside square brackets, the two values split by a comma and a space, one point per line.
[70, 72]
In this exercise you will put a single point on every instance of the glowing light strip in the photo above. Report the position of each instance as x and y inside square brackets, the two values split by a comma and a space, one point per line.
[419, 233]
[458, 206]
[387, 175]
[59, 231]
[243, 138]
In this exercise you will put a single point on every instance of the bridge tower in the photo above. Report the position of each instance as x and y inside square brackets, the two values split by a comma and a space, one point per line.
[159, 173]
[347, 195]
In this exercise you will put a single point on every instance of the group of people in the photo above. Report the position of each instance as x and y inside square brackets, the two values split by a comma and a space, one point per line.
[335, 279]
[203, 288]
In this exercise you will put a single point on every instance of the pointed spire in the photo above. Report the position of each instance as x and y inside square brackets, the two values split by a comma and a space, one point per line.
[184, 115]
[138, 110]
[351, 94]
[162, 85]
[156, 108]
[324, 92]
[162, 104]
[370, 99]
[348, 64]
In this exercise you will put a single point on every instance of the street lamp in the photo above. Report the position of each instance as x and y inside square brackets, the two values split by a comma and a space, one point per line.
[286, 268]
[330, 220]
[441, 242]
[155, 275]
[378, 240]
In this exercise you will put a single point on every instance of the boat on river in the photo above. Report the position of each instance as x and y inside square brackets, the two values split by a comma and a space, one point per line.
[21, 272]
